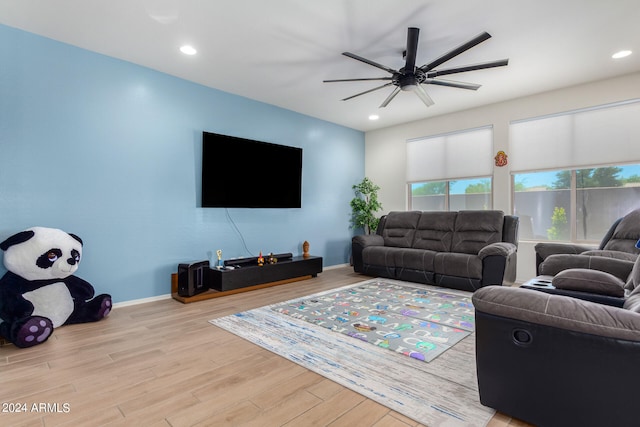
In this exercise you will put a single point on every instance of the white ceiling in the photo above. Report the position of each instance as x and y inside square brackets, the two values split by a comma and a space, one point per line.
[280, 51]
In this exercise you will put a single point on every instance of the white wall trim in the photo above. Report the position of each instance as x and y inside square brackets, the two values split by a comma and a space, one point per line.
[333, 267]
[141, 301]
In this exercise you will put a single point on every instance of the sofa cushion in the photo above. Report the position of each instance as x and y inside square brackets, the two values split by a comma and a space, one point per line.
[626, 234]
[399, 228]
[435, 231]
[597, 282]
[415, 259]
[380, 255]
[559, 262]
[476, 229]
[611, 254]
[460, 265]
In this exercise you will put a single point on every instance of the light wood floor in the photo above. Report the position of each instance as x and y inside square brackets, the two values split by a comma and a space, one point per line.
[162, 364]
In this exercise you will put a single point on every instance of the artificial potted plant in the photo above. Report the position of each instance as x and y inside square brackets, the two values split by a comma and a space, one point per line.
[364, 205]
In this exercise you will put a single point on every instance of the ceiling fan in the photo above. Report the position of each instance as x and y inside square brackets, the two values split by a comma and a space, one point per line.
[411, 78]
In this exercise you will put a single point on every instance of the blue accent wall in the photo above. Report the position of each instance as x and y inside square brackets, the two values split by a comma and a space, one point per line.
[111, 151]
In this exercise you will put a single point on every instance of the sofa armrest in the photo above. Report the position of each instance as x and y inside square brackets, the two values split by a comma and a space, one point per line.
[558, 311]
[504, 249]
[365, 240]
[546, 249]
[358, 244]
[499, 262]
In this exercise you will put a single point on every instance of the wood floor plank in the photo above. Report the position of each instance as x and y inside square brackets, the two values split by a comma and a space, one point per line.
[329, 410]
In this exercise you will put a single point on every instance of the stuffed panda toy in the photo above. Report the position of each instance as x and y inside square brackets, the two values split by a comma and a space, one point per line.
[40, 292]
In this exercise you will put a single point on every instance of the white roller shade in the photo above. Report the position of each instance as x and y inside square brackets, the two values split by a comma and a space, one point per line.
[598, 136]
[465, 154]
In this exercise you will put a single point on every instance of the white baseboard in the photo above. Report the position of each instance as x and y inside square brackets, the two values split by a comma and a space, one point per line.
[332, 267]
[141, 301]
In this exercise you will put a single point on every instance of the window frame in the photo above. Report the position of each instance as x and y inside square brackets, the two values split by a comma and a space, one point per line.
[447, 194]
[573, 200]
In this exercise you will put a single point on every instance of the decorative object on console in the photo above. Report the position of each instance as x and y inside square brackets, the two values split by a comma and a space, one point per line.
[39, 292]
[260, 260]
[219, 254]
[305, 249]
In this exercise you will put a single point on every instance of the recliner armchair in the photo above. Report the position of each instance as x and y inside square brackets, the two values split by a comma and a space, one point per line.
[615, 254]
[554, 360]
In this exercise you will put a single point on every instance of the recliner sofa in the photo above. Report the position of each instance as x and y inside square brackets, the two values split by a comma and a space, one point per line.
[556, 360]
[615, 254]
[461, 250]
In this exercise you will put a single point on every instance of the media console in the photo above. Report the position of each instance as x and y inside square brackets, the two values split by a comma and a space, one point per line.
[246, 275]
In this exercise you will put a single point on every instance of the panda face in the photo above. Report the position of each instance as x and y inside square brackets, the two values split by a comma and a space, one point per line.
[41, 253]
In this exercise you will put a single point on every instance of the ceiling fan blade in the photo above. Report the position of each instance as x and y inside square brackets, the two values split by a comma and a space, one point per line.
[390, 97]
[457, 51]
[474, 67]
[451, 83]
[356, 80]
[423, 95]
[367, 91]
[412, 49]
[367, 61]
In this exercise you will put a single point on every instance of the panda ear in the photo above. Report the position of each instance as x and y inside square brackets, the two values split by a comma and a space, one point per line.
[76, 237]
[20, 237]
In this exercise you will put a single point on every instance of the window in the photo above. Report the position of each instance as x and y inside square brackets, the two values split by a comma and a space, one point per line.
[572, 176]
[451, 171]
[574, 204]
[451, 195]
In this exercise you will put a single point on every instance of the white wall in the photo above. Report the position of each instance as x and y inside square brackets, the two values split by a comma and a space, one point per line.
[385, 158]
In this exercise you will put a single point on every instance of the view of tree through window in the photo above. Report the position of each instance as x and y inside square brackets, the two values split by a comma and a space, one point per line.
[574, 205]
[451, 195]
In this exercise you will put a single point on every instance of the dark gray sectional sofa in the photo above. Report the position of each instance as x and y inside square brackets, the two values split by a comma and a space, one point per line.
[461, 250]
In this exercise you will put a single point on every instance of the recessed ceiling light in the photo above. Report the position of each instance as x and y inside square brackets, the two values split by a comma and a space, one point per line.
[621, 54]
[188, 50]
[374, 117]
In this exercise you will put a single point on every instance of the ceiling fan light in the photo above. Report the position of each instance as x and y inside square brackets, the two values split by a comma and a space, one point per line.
[409, 88]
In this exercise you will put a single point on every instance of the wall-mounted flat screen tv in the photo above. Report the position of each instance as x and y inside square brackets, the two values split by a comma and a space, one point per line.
[243, 173]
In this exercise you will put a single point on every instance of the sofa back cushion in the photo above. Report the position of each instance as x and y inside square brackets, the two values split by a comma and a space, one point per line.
[476, 229]
[626, 234]
[400, 228]
[435, 231]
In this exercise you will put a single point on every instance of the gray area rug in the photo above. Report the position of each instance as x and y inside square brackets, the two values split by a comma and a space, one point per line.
[442, 393]
[418, 322]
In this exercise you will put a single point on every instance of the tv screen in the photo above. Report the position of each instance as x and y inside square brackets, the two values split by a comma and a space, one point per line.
[243, 173]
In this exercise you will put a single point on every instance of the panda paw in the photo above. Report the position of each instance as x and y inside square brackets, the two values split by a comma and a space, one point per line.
[34, 330]
[105, 307]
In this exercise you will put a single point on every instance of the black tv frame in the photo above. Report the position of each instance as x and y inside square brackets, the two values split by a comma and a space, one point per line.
[246, 173]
